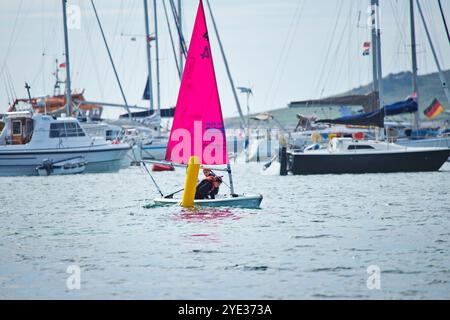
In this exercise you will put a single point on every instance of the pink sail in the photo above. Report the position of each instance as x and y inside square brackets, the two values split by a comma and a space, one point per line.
[198, 128]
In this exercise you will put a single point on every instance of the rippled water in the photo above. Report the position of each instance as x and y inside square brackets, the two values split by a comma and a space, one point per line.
[314, 237]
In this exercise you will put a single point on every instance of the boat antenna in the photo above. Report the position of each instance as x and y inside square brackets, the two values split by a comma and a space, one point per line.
[233, 88]
[110, 59]
[27, 86]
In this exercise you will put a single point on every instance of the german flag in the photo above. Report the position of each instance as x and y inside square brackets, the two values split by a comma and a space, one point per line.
[434, 109]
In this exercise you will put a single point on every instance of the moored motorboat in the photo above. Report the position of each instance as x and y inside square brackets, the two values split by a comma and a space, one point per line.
[27, 140]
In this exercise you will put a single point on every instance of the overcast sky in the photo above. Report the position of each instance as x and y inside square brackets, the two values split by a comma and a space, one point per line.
[284, 49]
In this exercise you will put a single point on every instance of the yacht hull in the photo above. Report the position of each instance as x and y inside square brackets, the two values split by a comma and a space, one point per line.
[24, 163]
[411, 161]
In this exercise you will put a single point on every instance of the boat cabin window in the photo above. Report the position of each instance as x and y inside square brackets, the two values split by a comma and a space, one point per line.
[21, 131]
[17, 128]
[65, 130]
[359, 147]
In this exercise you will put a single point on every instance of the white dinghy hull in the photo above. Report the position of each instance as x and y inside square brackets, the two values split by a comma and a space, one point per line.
[241, 201]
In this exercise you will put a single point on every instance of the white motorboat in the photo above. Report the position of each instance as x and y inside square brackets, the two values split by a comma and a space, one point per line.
[28, 140]
[240, 201]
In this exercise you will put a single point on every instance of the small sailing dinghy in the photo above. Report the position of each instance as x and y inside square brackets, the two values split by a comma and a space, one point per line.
[198, 129]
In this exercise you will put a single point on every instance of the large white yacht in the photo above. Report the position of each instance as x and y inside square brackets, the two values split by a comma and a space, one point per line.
[28, 141]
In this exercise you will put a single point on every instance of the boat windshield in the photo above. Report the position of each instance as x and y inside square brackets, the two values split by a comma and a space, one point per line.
[66, 129]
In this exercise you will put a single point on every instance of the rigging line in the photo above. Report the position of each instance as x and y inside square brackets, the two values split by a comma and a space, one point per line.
[341, 66]
[336, 52]
[94, 62]
[433, 30]
[282, 53]
[180, 34]
[6, 90]
[11, 83]
[327, 52]
[444, 21]
[283, 66]
[112, 62]
[12, 36]
[132, 70]
[171, 39]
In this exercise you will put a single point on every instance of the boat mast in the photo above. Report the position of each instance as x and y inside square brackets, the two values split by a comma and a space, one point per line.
[238, 105]
[149, 57]
[66, 48]
[158, 91]
[180, 31]
[414, 62]
[374, 51]
[379, 69]
[441, 74]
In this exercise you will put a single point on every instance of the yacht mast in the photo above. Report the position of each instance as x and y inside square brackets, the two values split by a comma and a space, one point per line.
[379, 69]
[180, 31]
[149, 57]
[66, 49]
[158, 91]
[441, 74]
[374, 50]
[414, 62]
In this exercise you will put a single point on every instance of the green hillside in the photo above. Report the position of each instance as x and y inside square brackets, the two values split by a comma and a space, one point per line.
[396, 87]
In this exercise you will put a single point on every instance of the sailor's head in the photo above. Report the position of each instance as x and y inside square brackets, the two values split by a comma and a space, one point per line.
[217, 181]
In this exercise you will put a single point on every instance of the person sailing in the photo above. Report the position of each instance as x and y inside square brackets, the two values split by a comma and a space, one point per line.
[208, 188]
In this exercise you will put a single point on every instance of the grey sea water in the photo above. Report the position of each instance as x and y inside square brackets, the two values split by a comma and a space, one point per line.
[314, 237]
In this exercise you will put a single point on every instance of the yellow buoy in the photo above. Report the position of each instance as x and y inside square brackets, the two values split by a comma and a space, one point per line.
[191, 182]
